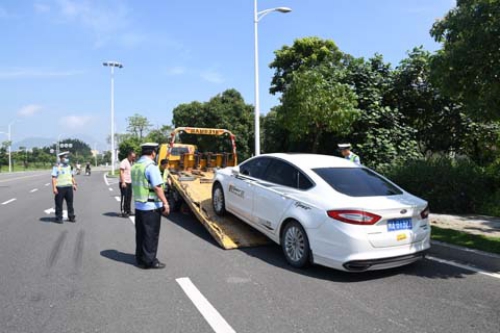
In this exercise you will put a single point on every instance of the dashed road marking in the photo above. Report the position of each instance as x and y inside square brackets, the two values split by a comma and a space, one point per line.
[47, 184]
[9, 201]
[211, 315]
[34, 190]
[24, 177]
[110, 189]
[118, 199]
[132, 218]
[469, 268]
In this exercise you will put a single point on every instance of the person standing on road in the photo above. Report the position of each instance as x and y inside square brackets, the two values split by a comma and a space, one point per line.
[63, 185]
[150, 205]
[126, 184]
[345, 150]
[165, 173]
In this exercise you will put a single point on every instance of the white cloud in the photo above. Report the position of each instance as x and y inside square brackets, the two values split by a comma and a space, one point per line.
[75, 122]
[104, 21]
[177, 70]
[36, 73]
[29, 110]
[41, 7]
[212, 76]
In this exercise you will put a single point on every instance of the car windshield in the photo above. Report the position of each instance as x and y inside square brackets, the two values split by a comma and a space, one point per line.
[177, 151]
[357, 182]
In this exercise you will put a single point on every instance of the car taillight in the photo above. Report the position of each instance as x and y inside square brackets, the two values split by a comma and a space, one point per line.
[425, 213]
[354, 216]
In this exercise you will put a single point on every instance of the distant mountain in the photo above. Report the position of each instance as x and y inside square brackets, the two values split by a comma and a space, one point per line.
[34, 142]
[39, 142]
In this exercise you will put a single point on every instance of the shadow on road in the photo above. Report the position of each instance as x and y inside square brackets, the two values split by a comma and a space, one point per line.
[272, 255]
[115, 255]
[48, 220]
[189, 222]
[112, 214]
[426, 268]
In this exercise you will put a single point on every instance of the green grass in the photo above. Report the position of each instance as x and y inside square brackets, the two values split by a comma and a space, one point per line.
[478, 242]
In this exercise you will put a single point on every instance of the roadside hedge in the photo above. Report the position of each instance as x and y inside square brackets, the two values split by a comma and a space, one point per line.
[450, 186]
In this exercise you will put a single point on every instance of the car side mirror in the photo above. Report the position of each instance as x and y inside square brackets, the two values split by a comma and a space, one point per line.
[235, 171]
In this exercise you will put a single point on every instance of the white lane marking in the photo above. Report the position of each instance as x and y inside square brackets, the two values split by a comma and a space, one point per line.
[211, 315]
[34, 190]
[47, 184]
[9, 201]
[132, 218]
[105, 179]
[110, 189]
[469, 268]
[49, 211]
[118, 199]
[7, 180]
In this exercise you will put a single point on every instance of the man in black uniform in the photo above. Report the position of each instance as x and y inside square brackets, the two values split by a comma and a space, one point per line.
[150, 205]
[63, 185]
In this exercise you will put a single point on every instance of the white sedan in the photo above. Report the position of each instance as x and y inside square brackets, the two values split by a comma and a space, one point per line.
[326, 210]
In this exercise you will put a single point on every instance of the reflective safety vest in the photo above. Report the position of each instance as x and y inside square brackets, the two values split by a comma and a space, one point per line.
[141, 189]
[352, 157]
[64, 176]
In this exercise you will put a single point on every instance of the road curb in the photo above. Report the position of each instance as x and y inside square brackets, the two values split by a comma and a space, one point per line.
[480, 259]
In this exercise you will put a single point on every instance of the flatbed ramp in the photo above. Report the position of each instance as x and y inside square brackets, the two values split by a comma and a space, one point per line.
[228, 231]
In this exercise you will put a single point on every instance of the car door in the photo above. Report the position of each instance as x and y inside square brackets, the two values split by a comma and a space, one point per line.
[272, 194]
[241, 187]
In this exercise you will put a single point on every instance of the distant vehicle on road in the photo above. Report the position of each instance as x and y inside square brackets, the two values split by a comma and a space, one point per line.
[326, 210]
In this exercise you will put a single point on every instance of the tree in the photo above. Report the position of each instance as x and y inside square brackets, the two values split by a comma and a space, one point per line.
[161, 135]
[468, 66]
[379, 134]
[137, 125]
[437, 119]
[226, 110]
[316, 102]
[308, 52]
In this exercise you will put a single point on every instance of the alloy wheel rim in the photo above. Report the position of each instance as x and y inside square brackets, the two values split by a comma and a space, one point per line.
[294, 244]
[218, 199]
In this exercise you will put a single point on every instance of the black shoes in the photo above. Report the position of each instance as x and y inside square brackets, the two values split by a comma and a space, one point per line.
[125, 214]
[72, 219]
[155, 265]
[59, 221]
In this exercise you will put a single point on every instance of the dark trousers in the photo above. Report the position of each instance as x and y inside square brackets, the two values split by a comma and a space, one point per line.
[126, 198]
[147, 233]
[64, 193]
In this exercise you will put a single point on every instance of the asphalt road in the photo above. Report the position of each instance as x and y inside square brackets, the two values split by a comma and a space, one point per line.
[81, 277]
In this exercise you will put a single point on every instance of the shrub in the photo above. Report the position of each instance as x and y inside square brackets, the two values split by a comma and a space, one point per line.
[450, 186]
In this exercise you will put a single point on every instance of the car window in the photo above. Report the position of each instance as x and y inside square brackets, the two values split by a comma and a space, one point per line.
[357, 182]
[256, 167]
[304, 182]
[177, 151]
[282, 173]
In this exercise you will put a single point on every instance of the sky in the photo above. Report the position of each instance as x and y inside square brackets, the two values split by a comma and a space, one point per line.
[53, 82]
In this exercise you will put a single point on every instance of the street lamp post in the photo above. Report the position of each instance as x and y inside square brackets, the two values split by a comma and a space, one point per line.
[112, 64]
[257, 16]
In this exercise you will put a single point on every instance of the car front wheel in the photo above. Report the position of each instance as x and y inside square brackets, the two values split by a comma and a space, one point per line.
[218, 201]
[295, 245]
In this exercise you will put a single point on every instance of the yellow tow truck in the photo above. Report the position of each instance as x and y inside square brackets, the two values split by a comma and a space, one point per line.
[192, 166]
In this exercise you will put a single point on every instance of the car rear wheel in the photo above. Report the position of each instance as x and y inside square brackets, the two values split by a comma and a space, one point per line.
[295, 245]
[218, 200]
